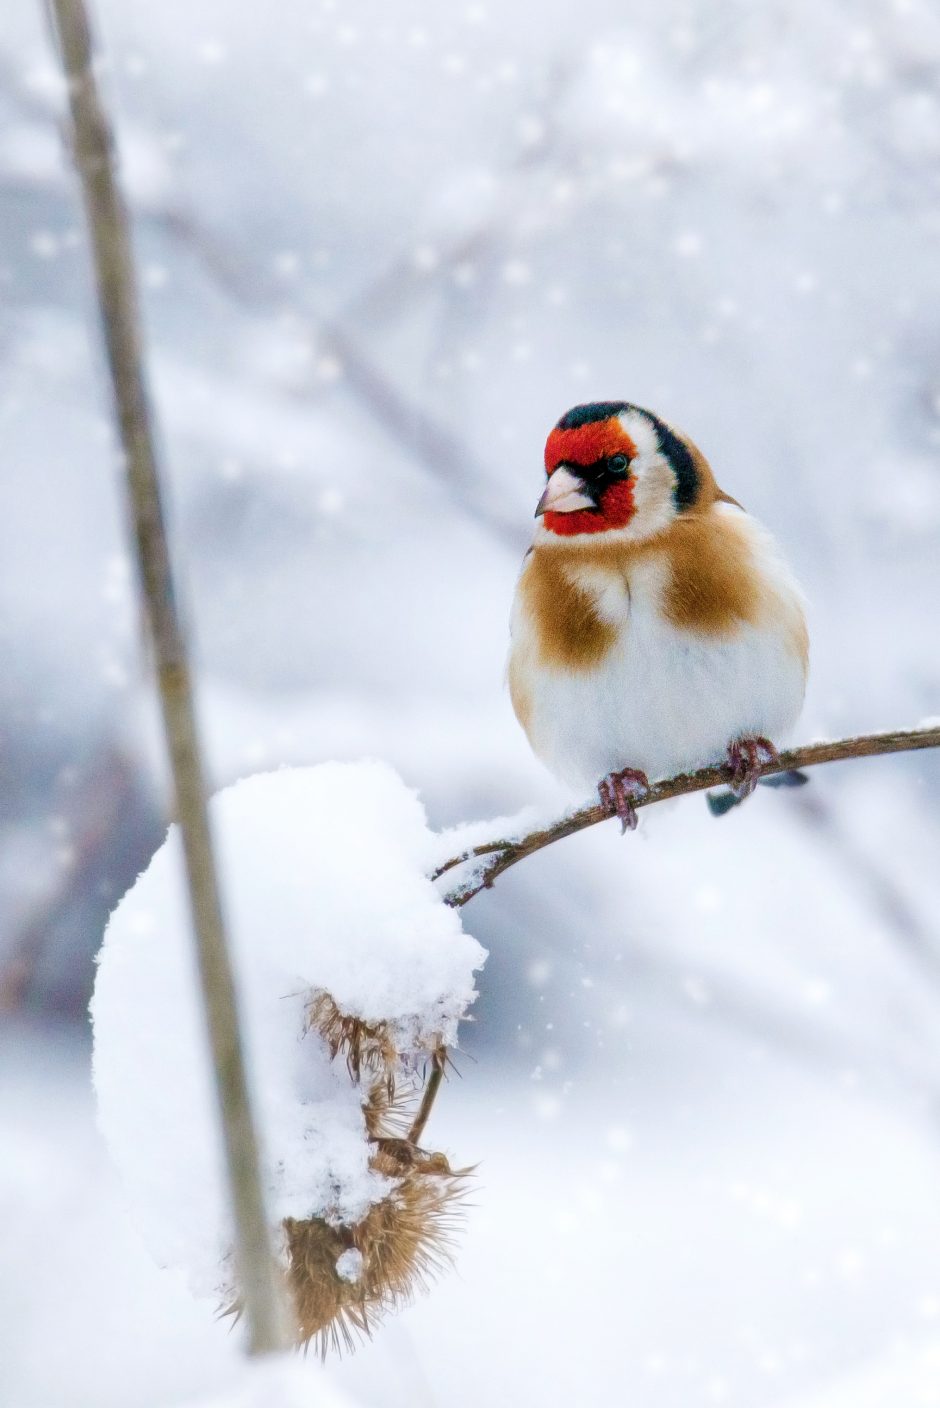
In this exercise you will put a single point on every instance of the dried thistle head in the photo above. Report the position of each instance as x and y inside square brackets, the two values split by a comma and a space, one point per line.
[388, 1109]
[343, 1279]
[367, 1046]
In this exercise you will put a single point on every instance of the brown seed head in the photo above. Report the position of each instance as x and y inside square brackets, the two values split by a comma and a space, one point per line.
[403, 1241]
[367, 1046]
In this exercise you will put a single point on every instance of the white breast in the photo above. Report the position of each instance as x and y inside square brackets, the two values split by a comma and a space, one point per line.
[663, 700]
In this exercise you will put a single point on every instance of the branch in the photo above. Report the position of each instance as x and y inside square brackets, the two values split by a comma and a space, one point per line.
[106, 214]
[97, 815]
[503, 854]
[498, 856]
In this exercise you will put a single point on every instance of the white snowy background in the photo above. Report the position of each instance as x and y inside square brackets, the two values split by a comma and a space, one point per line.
[382, 249]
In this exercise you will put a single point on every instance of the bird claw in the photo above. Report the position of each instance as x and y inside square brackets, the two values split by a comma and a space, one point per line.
[748, 757]
[620, 791]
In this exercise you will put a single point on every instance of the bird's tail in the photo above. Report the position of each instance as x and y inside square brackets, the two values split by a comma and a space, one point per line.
[723, 801]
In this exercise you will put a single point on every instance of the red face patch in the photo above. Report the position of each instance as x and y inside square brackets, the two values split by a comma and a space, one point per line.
[614, 510]
[585, 445]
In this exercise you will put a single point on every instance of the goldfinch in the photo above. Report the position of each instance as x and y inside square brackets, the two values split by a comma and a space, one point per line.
[656, 627]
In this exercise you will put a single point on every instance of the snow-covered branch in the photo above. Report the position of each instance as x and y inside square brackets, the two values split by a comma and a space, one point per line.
[498, 856]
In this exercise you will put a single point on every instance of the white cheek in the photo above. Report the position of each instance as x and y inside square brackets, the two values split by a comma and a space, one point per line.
[654, 505]
[654, 480]
[641, 432]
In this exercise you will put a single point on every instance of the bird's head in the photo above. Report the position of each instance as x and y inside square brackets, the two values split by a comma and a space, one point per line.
[614, 468]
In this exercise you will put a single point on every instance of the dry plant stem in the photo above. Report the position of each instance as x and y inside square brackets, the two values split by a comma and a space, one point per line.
[438, 1062]
[508, 853]
[260, 1290]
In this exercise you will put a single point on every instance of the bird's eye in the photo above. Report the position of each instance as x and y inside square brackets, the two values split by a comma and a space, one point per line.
[618, 463]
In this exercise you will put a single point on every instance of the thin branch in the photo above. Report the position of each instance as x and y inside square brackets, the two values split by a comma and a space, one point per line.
[504, 854]
[99, 814]
[93, 141]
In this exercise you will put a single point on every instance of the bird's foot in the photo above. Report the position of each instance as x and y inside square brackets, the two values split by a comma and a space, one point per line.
[620, 791]
[748, 757]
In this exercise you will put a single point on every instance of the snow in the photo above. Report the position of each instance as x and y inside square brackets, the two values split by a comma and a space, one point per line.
[324, 872]
[274, 1383]
[726, 213]
[908, 1375]
[349, 1265]
[769, 1224]
[456, 841]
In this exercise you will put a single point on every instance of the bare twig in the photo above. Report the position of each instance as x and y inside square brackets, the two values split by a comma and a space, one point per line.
[106, 214]
[499, 856]
[508, 853]
[99, 814]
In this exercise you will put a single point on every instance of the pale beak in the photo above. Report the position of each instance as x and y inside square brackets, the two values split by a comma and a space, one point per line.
[564, 493]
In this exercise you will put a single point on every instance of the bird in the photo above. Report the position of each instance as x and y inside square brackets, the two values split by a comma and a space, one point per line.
[656, 627]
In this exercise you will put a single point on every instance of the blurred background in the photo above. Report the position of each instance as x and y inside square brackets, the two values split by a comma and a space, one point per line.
[382, 249]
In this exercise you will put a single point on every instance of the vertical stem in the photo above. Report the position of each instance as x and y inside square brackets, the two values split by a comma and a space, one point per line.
[93, 146]
[433, 1085]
